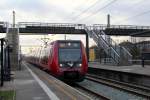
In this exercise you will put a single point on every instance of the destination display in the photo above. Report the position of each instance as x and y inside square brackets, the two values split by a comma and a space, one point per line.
[69, 45]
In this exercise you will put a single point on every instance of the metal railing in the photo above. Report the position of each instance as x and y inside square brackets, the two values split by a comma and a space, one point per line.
[5, 62]
[121, 51]
[101, 41]
[118, 53]
[113, 49]
[4, 24]
[104, 26]
[76, 26]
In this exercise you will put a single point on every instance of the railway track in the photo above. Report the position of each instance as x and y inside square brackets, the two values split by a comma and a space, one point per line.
[94, 95]
[134, 89]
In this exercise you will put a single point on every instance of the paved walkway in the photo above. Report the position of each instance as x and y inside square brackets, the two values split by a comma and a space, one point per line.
[30, 83]
[27, 88]
[63, 91]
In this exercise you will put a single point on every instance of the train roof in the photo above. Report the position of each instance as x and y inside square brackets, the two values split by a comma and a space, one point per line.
[65, 41]
[68, 41]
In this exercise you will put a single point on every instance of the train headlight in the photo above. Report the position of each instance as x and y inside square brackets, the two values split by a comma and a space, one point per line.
[79, 65]
[61, 65]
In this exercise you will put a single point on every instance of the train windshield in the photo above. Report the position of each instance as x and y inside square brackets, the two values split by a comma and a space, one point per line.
[69, 52]
[69, 55]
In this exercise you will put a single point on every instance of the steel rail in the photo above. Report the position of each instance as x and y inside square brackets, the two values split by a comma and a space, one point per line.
[100, 96]
[137, 90]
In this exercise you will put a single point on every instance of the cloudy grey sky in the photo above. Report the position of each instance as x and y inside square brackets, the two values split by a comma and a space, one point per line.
[78, 11]
[129, 12]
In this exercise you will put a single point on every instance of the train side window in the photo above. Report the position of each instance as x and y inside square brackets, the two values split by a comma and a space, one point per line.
[45, 53]
[42, 56]
[50, 53]
[45, 56]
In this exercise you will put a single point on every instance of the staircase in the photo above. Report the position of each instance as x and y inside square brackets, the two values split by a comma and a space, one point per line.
[118, 54]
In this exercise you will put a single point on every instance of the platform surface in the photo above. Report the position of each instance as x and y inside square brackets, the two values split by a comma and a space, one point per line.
[28, 86]
[136, 69]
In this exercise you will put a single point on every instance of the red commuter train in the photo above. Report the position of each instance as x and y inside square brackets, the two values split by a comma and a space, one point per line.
[65, 59]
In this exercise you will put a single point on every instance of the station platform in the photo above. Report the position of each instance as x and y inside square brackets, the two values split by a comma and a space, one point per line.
[135, 69]
[134, 74]
[31, 83]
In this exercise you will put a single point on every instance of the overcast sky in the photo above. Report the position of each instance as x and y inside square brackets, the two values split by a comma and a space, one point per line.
[129, 12]
[78, 11]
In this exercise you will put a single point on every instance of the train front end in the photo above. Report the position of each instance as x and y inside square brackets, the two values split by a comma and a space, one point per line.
[72, 61]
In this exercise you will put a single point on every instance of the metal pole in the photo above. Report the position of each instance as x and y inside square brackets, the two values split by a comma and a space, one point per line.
[65, 37]
[108, 21]
[2, 67]
[8, 48]
[13, 19]
[87, 46]
[20, 58]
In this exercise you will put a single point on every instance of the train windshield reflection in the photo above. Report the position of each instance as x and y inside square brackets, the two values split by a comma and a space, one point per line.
[66, 55]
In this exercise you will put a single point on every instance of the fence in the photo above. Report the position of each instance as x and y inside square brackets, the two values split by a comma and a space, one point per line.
[5, 62]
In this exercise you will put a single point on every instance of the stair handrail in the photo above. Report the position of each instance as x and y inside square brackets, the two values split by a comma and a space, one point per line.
[127, 53]
[109, 41]
[121, 51]
[112, 41]
[104, 44]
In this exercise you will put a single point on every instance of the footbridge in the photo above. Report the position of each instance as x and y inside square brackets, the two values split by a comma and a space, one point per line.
[3, 27]
[99, 32]
[124, 30]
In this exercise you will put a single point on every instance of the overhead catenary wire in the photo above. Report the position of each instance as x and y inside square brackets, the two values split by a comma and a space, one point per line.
[135, 5]
[98, 10]
[83, 3]
[89, 16]
[85, 10]
[135, 16]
